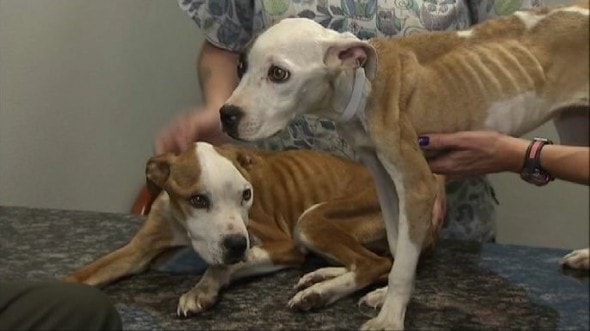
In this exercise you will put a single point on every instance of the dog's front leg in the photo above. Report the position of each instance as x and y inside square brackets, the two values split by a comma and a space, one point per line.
[204, 295]
[158, 233]
[389, 201]
[259, 260]
[416, 189]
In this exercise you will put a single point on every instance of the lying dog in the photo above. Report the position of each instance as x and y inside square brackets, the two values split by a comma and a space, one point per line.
[510, 74]
[250, 212]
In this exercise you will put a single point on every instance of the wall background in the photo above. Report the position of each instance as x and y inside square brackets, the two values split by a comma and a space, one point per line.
[85, 85]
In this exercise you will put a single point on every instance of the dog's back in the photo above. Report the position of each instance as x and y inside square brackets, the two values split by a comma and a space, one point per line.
[532, 64]
[284, 176]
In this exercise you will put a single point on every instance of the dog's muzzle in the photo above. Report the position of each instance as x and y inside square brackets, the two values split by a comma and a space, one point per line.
[230, 118]
[235, 248]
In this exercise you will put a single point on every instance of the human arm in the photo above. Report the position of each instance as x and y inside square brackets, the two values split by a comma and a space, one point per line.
[216, 68]
[226, 33]
[570, 163]
[471, 153]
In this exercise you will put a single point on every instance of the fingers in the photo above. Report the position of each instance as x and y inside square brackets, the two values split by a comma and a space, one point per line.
[160, 145]
[183, 136]
[454, 165]
[442, 141]
[164, 143]
[176, 137]
[200, 124]
[442, 164]
[439, 149]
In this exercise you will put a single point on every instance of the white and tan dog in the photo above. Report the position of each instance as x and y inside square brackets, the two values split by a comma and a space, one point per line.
[249, 212]
[510, 74]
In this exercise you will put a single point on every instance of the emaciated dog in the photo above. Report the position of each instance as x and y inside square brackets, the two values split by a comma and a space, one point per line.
[510, 74]
[249, 212]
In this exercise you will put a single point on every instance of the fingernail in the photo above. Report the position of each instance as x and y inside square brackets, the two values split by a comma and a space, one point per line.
[423, 140]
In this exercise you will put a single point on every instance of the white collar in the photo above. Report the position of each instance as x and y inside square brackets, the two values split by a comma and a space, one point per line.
[357, 96]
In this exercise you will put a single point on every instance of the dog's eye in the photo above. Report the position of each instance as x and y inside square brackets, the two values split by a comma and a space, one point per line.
[242, 65]
[247, 194]
[278, 74]
[199, 201]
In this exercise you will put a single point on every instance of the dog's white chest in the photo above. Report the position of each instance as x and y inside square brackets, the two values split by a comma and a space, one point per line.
[516, 115]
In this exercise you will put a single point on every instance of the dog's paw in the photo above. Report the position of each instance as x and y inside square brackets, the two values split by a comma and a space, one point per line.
[382, 323]
[79, 277]
[319, 275]
[578, 259]
[194, 302]
[308, 299]
[374, 299]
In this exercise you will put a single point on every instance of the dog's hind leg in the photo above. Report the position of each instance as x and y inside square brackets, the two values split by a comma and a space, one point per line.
[351, 223]
[157, 234]
[319, 275]
[375, 298]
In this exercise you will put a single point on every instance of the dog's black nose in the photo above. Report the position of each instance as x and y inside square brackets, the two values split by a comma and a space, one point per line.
[230, 117]
[235, 246]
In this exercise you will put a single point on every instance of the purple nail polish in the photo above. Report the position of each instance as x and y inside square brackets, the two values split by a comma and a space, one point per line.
[423, 140]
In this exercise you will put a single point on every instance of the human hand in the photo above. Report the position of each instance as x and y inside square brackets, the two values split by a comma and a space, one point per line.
[472, 153]
[199, 124]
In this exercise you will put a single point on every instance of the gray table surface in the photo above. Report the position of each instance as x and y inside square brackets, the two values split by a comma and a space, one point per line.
[463, 285]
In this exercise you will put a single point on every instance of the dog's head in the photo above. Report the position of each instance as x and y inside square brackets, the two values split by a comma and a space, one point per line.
[296, 66]
[209, 197]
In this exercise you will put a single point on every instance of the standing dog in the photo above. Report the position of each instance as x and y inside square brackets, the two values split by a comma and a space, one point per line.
[510, 74]
[208, 202]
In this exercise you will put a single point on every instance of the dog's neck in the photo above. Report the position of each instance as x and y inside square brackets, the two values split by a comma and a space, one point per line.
[350, 95]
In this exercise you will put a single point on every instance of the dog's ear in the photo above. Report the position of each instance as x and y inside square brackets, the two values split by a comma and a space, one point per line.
[244, 159]
[157, 171]
[350, 52]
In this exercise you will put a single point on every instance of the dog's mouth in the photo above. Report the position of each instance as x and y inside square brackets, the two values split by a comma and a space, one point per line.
[236, 136]
[232, 131]
[229, 260]
[233, 134]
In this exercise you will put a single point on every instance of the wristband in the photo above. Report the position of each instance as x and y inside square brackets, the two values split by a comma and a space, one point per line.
[532, 171]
